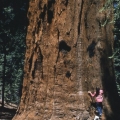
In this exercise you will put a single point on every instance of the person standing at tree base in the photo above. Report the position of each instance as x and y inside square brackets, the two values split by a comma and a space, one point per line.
[98, 94]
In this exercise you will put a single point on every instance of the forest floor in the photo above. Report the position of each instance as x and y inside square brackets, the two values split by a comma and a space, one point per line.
[8, 111]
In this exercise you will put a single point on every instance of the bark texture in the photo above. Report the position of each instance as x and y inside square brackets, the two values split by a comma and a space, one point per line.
[67, 49]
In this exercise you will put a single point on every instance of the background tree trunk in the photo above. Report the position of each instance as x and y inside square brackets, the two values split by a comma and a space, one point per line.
[67, 50]
[4, 74]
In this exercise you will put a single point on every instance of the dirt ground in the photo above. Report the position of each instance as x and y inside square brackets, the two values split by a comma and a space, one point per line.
[8, 111]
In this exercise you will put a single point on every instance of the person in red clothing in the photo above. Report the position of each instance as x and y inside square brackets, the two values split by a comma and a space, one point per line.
[98, 94]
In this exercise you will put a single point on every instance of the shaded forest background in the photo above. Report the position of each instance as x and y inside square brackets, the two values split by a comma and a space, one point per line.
[13, 27]
[13, 23]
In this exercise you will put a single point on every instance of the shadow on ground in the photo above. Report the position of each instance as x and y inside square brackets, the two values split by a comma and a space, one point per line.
[7, 113]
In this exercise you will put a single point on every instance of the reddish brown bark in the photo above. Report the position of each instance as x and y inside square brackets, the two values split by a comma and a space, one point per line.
[66, 55]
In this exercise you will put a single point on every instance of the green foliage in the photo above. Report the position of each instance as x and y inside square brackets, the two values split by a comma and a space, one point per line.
[117, 41]
[13, 24]
[115, 4]
[116, 53]
[117, 63]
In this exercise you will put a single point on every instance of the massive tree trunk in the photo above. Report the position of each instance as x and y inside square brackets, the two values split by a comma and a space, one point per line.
[67, 50]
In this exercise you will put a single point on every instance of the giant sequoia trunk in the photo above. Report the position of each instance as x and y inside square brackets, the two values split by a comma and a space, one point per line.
[67, 50]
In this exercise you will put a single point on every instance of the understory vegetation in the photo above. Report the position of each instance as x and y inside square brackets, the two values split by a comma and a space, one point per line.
[13, 22]
[116, 52]
[117, 43]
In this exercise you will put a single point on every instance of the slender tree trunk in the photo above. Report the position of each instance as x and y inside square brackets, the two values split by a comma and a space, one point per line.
[67, 55]
[3, 78]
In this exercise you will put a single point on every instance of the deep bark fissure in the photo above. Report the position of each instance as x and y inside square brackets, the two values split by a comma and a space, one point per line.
[30, 62]
[42, 15]
[80, 14]
[38, 65]
[50, 11]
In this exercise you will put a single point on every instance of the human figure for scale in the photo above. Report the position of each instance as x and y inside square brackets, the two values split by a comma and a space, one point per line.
[98, 94]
